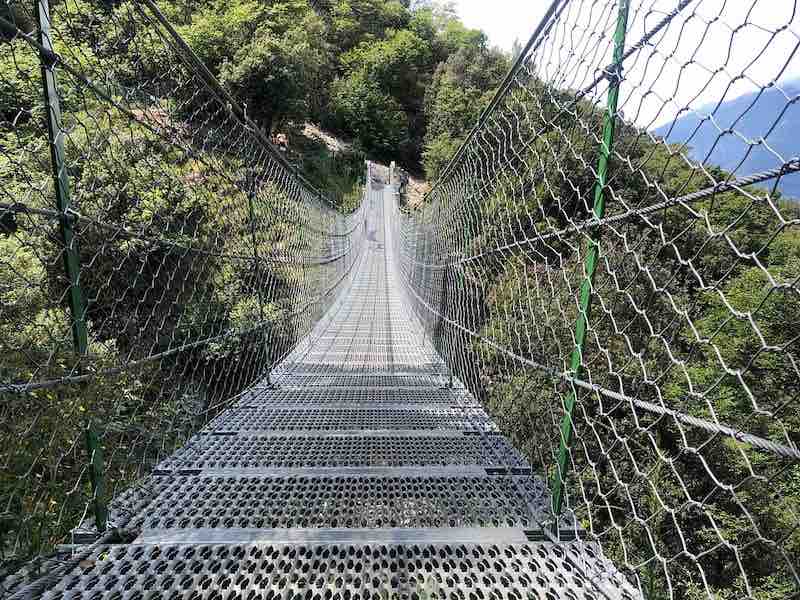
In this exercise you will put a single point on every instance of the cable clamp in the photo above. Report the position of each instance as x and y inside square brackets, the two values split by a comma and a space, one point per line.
[613, 73]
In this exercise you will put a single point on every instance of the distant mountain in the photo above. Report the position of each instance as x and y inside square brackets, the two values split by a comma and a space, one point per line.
[751, 116]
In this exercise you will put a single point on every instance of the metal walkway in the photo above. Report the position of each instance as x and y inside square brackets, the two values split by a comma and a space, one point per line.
[357, 472]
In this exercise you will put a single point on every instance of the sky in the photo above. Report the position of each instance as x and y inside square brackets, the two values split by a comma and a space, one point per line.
[502, 20]
[714, 49]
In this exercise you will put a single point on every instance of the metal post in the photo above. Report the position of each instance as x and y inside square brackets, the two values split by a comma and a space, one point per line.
[61, 183]
[593, 252]
[71, 258]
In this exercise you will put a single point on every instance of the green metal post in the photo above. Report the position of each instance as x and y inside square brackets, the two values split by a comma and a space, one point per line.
[61, 183]
[593, 252]
[71, 259]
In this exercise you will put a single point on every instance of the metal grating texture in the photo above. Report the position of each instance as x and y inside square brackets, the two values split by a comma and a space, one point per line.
[344, 450]
[194, 502]
[318, 572]
[346, 418]
[366, 395]
[360, 468]
[367, 380]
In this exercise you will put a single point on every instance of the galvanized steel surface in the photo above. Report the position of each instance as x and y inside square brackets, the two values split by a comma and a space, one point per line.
[358, 468]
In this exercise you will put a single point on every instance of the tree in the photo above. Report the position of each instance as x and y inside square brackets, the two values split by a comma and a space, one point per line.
[461, 87]
[273, 74]
[353, 22]
[376, 119]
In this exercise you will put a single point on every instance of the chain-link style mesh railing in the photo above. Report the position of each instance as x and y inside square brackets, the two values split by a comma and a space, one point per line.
[625, 306]
[157, 256]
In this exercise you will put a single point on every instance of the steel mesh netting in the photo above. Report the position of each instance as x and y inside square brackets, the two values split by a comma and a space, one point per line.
[626, 307]
[172, 259]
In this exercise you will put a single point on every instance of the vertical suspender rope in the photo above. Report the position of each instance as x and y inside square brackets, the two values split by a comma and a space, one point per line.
[592, 256]
[251, 187]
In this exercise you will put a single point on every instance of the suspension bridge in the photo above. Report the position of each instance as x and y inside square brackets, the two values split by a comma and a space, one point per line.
[569, 372]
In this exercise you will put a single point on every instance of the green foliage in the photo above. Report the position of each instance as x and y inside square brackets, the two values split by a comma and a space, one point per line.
[375, 118]
[264, 75]
[20, 87]
[353, 22]
[368, 102]
[218, 30]
[726, 321]
[339, 173]
[157, 216]
[362, 68]
[387, 58]
[461, 87]
[273, 57]
[395, 64]
[439, 23]
[437, 154]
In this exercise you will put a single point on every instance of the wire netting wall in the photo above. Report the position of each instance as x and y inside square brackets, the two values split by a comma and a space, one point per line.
[157, 256]
[611, 263]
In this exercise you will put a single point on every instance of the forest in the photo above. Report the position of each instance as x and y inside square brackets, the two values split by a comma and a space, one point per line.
[402, 81]
[402, 84]
[160, 177]
[695, 309]
[667, 331]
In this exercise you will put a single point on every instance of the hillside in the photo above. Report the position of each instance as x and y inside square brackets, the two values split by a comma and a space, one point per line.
[402, 80]
[769, 115]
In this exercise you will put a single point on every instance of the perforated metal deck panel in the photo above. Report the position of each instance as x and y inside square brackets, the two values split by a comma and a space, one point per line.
[345, 450]
[328, 570]
[354, 381]
[342, 418]
[402, 499]
[359, 469]
[371, 396]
